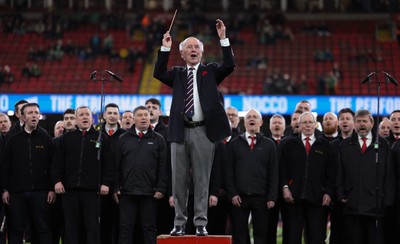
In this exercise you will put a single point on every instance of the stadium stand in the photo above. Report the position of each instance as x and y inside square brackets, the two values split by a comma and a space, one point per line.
[353, 44]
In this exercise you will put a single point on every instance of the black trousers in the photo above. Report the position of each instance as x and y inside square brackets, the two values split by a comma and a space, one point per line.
[363, 230]
[109, 225]
[273, 220]
[130, 206]
[165, 217]
[391, 225]
[337, 224]
[257, 206]
[3, 224]
[24, 206]
[57, 221]
[397, 209]
[81, 207]
[311, 217]
[218, 215]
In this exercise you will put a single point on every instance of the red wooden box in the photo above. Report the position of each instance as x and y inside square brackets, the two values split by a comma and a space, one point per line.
[190, 239]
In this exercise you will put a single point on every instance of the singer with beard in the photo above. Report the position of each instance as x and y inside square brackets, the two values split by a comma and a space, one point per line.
[330, 126]
[357, 182]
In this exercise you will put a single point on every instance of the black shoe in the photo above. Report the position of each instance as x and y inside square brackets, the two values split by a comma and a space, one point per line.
[178, 231]
[201, 231]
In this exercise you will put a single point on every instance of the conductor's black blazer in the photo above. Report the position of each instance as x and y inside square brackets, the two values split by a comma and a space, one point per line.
[209, 76]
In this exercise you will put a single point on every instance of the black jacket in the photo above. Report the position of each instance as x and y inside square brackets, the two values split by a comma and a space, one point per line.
[162, 129]
[75, 162]
[216, 170]
[391, 139]
[113, 140]
[13, 130]
[356, 177]
[16, 129]
[27, 161]
[141, 164]
[209, 76]
[308, 177]
[396, 163]
[328, 138]
[236, 132]
[335, 145]
[1, 155]
[1, 149]
[252, 172]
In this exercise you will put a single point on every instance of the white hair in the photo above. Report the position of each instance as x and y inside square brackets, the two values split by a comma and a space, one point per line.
[305, 113]
[184, 41]
[279, 117]
[255, 110]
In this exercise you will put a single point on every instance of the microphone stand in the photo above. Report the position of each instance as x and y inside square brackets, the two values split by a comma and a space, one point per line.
[369, 79]
[103, 76]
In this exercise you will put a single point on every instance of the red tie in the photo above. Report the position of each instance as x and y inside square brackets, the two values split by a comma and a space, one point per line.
[141, 135]
[308, 145]
[278, 141]
[364, 145]
[152, 127]
[111, 132]
[252, 142]
[83, 132]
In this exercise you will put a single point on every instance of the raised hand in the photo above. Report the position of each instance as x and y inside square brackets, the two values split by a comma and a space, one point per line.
[221, 29]
[167, 40]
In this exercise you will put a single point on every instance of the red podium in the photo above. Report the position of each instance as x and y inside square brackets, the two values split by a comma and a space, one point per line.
[190, 239]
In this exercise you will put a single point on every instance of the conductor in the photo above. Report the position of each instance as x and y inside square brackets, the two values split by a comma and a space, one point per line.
[197, 120]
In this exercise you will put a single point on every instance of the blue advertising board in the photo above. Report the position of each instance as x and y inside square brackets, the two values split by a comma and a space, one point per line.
[266, 104]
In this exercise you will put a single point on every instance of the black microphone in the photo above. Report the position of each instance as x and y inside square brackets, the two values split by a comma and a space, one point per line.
[115, 76]
[390, 79]
[367, 79]
[93, 75]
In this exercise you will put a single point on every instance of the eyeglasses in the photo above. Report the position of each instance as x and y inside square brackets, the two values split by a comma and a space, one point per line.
[233, 115]
[307, 122]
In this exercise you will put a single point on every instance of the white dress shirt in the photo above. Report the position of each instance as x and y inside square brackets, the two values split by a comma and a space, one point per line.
[249, 139]
[198, 112]
[312, 139]
[367, 142]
